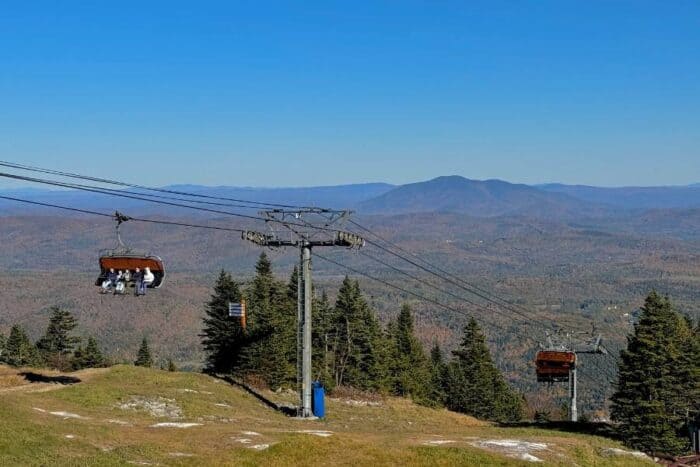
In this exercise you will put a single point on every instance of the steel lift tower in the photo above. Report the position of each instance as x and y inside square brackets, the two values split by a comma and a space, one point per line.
[557, 363]
[306, 229]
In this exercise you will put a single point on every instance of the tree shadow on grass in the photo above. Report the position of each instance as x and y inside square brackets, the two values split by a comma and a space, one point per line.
[39, 378]
[290, 411]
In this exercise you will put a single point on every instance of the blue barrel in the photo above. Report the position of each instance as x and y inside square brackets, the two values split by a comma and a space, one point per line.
[318, 405]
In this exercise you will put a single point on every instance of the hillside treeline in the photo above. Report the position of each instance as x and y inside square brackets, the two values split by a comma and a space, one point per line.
[58, 348]
[350, 348]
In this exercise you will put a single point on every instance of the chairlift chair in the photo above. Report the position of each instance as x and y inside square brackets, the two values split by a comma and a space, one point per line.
[554, 365]
[123, 258]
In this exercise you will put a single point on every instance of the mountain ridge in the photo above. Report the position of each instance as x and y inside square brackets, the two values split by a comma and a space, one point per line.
[480, 198]
[452, 193]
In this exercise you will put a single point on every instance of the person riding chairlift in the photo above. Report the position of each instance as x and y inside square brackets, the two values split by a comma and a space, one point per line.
[148, 278]
[110, 282]
[121, 283]
[138, 282]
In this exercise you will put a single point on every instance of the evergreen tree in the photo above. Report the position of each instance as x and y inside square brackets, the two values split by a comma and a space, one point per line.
[171, 365]
[144, 358]
[388, 360]
[3, 341]
[357, 335]
[92, 355]
[19, 351]
[410, 367]
[650, 402]
[323, 319]
[438, 376]
[293, 285]
[272, 328]
[475, 386]
[57, 343]
[78, 360]
[223, 337]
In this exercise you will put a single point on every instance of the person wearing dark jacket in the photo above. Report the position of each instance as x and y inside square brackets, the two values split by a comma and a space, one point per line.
[138, 281]
[110, 282]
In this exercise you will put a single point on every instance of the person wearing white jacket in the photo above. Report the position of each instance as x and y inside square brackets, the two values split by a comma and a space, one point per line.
[148, 276]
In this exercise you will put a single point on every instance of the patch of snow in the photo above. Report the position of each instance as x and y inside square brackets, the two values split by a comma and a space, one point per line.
[223, 405]
[188, 390]
[242, 440]
[67, 415]
[259, 447]
[175, 425]
[357, 403]
[622, 452]
[156, 406]
[250, 433]
[321, 433]
[118, 422]
[180, 454]
[529, 457]
[39, 410]
[438, 442]
[515, 448]
[70, 436]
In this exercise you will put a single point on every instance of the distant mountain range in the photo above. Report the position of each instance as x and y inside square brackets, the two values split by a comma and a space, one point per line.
[477, 198]
[457, 194]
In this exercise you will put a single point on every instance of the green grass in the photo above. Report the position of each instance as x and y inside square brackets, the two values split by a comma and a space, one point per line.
[394, 433]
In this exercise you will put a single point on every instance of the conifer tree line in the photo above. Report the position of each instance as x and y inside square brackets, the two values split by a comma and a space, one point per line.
[350, 347]
[59, 348]
[657, 394]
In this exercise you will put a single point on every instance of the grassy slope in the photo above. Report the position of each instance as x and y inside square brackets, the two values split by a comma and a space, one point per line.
[394, 433]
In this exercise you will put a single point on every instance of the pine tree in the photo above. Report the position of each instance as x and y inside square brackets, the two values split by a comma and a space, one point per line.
[650, 402]
[88, 357]
[92, 355]
[438, 376]
[475, 386]
[171, 365]
[271, 351]
[78, 359]
[388, 360]
[57, 343]
[144, 358]
[223, 337]
[19, 351]
[410, 367]
[3, 341]
[357, 335]
[323, 319]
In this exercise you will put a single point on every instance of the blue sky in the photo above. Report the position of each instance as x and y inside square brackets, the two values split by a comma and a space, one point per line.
[310, 93]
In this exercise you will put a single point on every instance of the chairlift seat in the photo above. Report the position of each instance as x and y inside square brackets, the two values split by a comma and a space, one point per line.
[554, 365]
[121, 261]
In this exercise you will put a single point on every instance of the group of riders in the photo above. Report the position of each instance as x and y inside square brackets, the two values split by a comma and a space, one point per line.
[117, 281]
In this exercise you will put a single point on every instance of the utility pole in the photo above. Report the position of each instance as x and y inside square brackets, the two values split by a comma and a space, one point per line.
[306, 330]
[307, 236]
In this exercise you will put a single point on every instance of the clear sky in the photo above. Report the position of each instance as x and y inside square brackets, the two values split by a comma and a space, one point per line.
[308, 93]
